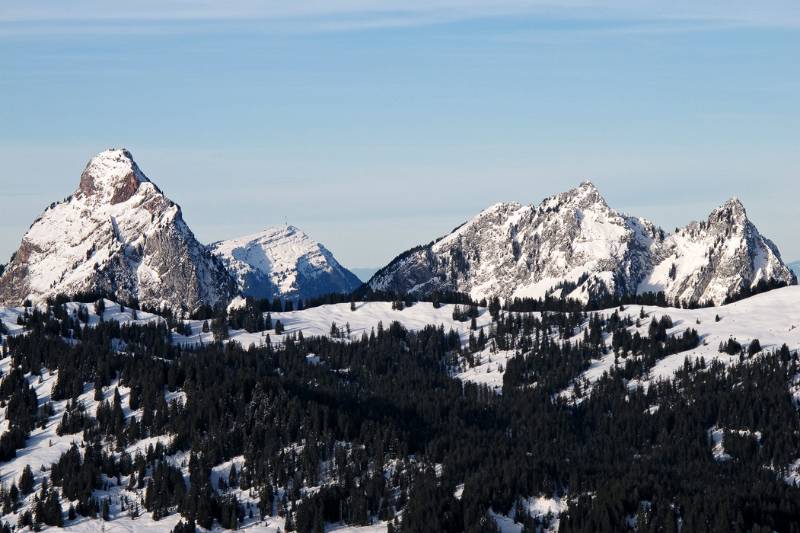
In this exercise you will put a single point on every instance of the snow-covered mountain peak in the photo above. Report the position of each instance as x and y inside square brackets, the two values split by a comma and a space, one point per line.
[510, 250]
[283, 261]
[268, 245]
[499, 207]
[715, 260]
[586, 189]
[111, 177]
[731, 212]
[120, 236]
[495, 213]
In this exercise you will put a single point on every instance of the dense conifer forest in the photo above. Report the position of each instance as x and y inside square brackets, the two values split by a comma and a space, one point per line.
[377, 429]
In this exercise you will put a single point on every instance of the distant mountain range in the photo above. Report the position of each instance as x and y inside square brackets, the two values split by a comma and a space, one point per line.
[118, 235]
[574, 245]
[795, 266]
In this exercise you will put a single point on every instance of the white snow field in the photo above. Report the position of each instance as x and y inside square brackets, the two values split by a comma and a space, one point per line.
[772, 317]
[317, 321]
[539, 507]
[113, 312]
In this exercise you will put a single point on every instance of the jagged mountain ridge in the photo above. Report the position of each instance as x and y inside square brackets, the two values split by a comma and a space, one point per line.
[574, 245]
[118, 235]
[283, 261]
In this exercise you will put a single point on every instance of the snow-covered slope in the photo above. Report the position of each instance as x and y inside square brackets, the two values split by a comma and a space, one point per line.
[285, 262]
[45, 446]
[316, 321]
[573, 244]
[118, 235]
[772, 317]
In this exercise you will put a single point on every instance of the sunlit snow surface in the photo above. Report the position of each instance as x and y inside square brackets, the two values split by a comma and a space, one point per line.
[772, 317]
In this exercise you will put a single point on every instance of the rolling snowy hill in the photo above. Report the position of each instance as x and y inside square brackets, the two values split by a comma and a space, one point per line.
[772, 317]
[573, 244]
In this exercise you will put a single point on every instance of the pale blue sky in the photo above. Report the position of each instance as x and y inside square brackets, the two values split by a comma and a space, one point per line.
[375, 126]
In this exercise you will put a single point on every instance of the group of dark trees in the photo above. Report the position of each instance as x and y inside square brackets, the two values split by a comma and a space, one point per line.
[734, 347]
[22, 412]
[762, 286]
[379, 426]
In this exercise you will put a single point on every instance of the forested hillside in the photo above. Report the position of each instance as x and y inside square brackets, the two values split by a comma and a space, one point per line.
[157, 422]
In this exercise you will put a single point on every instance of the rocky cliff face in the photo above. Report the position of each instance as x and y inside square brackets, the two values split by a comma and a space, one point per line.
[284, 262]
[574, 245]
[117, 235]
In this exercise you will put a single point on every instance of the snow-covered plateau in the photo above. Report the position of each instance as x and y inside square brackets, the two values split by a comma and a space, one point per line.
[772, 317]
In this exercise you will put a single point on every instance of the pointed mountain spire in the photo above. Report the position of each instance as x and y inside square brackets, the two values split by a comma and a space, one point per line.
[119, 236]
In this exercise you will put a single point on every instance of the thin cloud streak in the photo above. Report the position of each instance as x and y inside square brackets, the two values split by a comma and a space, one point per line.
[89, 10]
[94, 17]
